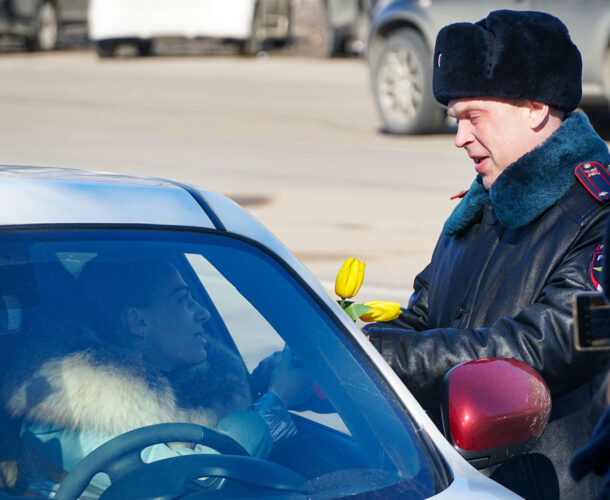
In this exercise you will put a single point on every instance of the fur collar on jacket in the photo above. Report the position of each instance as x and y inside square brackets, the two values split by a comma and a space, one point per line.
[106, 389]
[536, 181]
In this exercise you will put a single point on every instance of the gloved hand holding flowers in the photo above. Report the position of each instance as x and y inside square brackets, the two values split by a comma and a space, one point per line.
[348, 283]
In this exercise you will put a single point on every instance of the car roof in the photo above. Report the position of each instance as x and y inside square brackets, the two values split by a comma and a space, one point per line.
[38, 195]
[49, 196]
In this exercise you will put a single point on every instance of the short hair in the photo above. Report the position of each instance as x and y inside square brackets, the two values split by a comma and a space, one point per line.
[108, 286]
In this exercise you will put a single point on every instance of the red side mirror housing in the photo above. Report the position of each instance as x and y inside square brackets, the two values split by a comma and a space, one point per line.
[494, 409]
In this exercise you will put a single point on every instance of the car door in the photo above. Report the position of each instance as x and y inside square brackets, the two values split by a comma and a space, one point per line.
[589, 24]
[443, 12]
[342, 12]
[24, 10]
[73, 11]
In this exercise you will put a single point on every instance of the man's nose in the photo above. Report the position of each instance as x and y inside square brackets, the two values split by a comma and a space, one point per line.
[463, 136]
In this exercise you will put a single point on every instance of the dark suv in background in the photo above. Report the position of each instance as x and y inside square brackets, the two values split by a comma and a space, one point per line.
[40, 23]
[403, 33]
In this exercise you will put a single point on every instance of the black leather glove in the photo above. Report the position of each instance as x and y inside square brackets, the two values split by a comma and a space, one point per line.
[595, 456]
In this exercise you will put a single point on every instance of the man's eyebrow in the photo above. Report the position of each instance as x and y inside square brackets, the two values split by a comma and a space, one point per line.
[462, 112]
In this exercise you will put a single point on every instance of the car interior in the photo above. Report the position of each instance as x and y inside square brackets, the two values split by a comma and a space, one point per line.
[39, 293]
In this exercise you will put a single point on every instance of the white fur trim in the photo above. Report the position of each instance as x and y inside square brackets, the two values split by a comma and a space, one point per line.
[75, 392]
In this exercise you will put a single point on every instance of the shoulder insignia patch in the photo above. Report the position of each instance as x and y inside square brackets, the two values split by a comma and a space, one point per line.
[459, 195]
[597, 266]
[595, 178]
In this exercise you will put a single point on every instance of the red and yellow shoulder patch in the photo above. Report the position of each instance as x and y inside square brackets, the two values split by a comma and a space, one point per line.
[595, 178]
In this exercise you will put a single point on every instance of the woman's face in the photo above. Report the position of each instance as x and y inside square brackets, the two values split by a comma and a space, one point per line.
[174, 324]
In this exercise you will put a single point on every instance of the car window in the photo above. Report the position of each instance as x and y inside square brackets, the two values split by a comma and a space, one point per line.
[248, 327]
[110, 330]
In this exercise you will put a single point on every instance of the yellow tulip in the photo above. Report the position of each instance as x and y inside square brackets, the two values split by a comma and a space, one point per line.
[350, 278]
[381, 310]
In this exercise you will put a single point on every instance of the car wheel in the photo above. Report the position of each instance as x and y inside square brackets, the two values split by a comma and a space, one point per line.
[144, 47]
[361, 31]
[105, 48]
[254, 44]
[46, 28]
[402, 83]
[333, 44]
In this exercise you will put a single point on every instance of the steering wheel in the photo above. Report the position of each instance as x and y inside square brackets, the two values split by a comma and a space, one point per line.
[167, 479]
[120, 458]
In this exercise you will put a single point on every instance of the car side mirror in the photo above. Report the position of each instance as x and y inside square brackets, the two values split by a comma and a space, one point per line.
[494, 409]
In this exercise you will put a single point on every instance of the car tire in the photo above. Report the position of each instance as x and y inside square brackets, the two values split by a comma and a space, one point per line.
[333, 43]
[402, 84]
[254, 44]
[362, 29]
[46, 28]
[106, 48]
[144, 48]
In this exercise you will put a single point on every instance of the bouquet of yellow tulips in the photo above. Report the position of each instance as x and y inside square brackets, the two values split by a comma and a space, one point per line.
[348, 283]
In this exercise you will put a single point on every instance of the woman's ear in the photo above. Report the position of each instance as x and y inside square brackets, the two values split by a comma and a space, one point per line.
[135, 321]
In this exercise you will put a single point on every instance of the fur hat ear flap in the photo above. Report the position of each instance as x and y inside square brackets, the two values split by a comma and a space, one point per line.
[509, 54]
[462, 59]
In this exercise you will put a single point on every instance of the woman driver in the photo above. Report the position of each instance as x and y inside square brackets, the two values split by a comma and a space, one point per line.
[148, 356]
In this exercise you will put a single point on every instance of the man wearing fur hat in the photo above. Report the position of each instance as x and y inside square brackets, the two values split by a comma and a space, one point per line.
[521, 242]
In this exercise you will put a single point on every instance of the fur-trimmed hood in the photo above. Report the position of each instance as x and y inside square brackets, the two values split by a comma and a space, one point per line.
[106, 389]
[536, 181]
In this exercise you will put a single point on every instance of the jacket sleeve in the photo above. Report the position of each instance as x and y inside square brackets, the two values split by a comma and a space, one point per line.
[415, 316]
[540, 335]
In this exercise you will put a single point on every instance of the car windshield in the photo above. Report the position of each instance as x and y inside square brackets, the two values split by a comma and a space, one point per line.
[108, 330]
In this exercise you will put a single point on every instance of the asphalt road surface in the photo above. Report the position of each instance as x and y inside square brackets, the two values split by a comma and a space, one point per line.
[295, 140]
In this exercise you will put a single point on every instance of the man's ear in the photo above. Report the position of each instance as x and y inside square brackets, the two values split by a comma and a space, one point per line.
[538, 114]
[135, 320]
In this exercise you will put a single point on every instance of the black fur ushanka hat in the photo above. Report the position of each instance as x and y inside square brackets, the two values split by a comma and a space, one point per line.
[511, 54]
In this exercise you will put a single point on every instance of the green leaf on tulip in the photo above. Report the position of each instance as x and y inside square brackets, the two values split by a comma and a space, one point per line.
[345, 303]
[354, 310]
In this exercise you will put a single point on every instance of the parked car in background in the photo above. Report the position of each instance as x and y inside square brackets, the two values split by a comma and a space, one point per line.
[403, 34]
[65, 234]
[249, 23]
[41, 23]
[345, 26]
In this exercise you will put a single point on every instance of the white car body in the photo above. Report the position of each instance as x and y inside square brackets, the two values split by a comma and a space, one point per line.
[111, 199]
[145, 19]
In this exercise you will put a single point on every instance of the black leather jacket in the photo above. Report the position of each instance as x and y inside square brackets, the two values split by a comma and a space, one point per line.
[499, 292]
[504, 272]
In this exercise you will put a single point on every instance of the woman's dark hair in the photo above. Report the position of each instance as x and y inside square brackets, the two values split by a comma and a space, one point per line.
[108, 286]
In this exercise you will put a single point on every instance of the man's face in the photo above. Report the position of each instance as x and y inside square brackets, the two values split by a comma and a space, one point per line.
[494, 132]
[176, 324]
